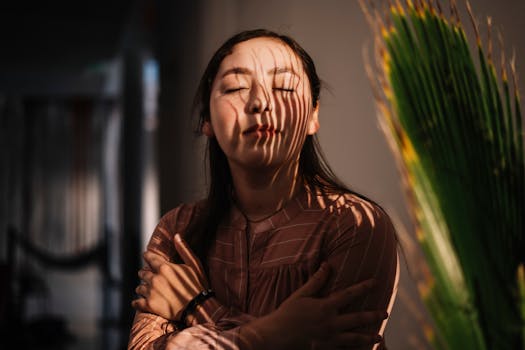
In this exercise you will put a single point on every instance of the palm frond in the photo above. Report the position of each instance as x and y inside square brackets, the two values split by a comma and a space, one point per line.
[455, 126]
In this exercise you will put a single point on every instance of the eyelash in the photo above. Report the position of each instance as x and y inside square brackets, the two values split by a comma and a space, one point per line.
[230, 91]
[284, 89]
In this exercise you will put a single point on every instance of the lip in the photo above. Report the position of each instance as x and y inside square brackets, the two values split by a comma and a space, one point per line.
[260, 128]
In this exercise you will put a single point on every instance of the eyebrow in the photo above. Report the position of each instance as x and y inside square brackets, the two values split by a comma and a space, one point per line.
[282, 70]
[246, 71]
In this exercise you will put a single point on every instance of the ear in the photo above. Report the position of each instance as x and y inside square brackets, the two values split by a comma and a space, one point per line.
[207, 129]
[313, 123]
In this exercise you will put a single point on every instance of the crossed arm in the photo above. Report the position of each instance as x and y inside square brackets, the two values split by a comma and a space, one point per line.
[309, 318]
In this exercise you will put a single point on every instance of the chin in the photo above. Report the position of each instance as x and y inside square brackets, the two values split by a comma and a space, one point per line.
[259, 162]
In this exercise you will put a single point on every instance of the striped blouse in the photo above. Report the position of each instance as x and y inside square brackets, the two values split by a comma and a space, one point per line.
[255, 266]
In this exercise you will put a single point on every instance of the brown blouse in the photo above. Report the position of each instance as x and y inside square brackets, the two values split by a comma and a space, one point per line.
[255, 266]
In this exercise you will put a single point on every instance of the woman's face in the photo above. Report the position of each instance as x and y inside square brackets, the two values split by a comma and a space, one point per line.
[261, 106]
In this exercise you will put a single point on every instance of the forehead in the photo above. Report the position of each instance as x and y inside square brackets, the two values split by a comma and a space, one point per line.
[262, 53]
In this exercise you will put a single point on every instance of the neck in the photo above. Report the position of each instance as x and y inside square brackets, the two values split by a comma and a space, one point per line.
[260, 193]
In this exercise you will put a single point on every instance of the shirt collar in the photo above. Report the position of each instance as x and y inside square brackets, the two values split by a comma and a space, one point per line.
[291, 209]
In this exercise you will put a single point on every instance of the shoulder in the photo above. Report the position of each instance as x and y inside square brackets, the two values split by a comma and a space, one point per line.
[174, 221]
[352, 216]
[178, 218]
[362, 210]
[348, 206]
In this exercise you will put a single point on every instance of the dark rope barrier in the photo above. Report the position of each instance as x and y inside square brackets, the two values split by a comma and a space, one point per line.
[95, 255]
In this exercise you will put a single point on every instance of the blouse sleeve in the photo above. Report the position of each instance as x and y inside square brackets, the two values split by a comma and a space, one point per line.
[217, 326]
[362, 245]
[152, 332]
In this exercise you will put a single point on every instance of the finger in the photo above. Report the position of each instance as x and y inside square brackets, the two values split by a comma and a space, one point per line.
[180, 277]
[344, 297]
[351, 341]
[358, 319]
[140, 304]
[357, 340]
[159, 307]
[314, 283]
[142, 290]
[188, 256]
[146, 275]
[154, 260]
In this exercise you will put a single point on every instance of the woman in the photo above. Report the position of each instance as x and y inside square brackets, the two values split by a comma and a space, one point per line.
[282, 256]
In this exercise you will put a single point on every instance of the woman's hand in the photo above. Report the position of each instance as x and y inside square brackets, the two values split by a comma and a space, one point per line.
[305, 321]
[167, 288]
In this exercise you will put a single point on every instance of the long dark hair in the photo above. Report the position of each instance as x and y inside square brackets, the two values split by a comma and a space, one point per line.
[313, 168]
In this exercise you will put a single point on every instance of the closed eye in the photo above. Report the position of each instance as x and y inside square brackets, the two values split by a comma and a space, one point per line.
[229, 91]
[284, 89]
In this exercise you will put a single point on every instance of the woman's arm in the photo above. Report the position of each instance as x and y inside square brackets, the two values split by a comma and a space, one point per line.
[363, 245]
[228, 328]
[166, 290]
[302, 320]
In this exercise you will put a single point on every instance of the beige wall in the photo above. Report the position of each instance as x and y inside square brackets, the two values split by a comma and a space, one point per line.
[335, 33]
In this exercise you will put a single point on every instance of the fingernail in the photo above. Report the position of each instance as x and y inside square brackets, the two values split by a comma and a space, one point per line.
[178, 237]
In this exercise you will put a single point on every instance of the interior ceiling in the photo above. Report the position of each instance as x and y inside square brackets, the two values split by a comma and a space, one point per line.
[41, 36]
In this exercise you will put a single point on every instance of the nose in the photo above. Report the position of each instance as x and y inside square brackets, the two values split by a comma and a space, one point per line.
[259, 100]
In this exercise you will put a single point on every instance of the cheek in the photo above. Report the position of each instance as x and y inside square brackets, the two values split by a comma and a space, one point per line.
[219, 113]
[224, 119]
[292, 113]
